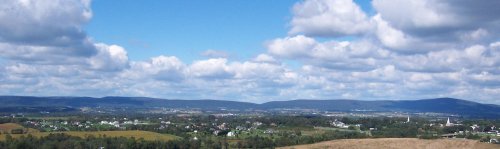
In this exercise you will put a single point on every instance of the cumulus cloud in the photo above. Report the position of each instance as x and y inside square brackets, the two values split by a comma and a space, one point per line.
[167, 68]
[391, 37]
[265, 58]
[429, 48]
[291, 47]
[405, 50]
[474, 58]
[332, 54]
[111, 58]
[51, 33]
[45, 51]
[328, 17]
[41, 30]
[441, 24]
[215, 68]
[447, 16]
[256, 70]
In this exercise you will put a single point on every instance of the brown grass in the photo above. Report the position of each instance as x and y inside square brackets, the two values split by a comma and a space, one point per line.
[397, 143]
[9, 126]
[146, 135]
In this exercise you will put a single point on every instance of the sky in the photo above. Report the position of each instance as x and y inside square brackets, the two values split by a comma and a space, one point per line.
[252, 51]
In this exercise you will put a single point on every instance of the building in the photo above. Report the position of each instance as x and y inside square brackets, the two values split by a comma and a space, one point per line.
[240, 128]
[448, 123]
[339, 124]
[269, 131]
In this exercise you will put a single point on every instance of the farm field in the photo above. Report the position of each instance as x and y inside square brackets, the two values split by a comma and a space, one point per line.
[396, 143]
[7, 127]
[150, 136]
[147, 135]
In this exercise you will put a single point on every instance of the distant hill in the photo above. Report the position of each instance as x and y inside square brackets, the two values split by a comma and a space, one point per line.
[132, 102]
[438, 105]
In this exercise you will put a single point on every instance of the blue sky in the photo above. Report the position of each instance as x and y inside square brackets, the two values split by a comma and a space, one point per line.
[252, 51]
[187, 28]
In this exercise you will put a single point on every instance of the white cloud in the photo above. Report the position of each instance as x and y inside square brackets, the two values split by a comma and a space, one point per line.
[265, 58]
[256, 70]
[420, 77]
[386, 73]
[168, 68]
[215, 68]
[438, 25]
[328, 17]
[109, 58]
[417, 14]
[332, 54]
[470, 58]
[395, 54]
[42, 30]
[390, 36]
[291, 47]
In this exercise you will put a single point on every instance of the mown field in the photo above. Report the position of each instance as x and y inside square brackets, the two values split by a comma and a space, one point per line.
[397, 143]
[150, 136]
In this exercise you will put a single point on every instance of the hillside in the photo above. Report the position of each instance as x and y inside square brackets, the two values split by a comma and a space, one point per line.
[397, 143]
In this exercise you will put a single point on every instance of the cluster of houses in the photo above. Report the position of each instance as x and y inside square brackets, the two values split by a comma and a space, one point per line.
[339, 124]
[219, 129]
[117, 124]
[493, 131]
[238, 129]
[58, 125]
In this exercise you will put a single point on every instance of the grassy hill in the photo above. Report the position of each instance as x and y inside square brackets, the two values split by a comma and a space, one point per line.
[397, 143]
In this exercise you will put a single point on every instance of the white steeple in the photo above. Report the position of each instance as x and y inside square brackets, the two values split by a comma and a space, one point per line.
[408, 119]
[448, 123]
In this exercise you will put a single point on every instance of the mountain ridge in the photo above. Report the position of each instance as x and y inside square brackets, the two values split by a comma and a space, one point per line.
[437, 105]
